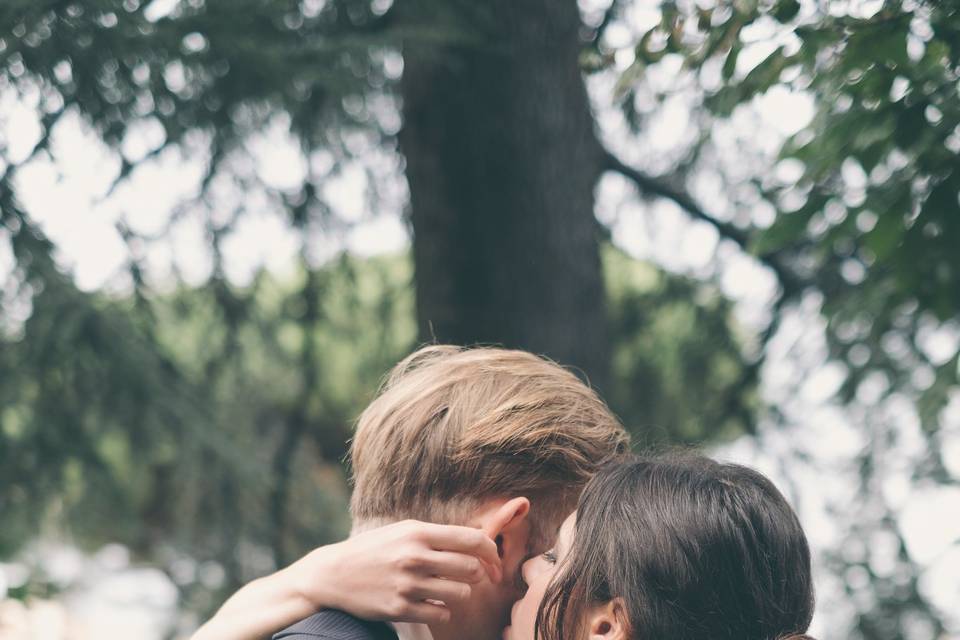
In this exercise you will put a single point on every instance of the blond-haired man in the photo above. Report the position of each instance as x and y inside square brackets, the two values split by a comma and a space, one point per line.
[491, 445]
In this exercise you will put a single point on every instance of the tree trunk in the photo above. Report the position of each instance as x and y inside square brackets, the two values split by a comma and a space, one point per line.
[501, 161]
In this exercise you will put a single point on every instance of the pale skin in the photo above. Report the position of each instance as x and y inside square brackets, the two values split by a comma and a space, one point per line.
[404, 572]
[603, 621]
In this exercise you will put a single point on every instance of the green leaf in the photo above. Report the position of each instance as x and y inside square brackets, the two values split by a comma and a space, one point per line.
[643, 52]
[884, 43]
[704, 17]
[730, 64]
[787, 228]
[942, 203]
[887, 234]
[785, 10]
[910, 124]
[764, 75]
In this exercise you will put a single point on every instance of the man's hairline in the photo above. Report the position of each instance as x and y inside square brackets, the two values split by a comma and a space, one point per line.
[462, 507]
[468, 506]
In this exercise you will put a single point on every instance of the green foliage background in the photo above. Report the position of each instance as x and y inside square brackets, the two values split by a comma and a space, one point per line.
[191, 422]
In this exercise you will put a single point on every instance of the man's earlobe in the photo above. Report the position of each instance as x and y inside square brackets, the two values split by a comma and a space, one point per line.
[608, 621]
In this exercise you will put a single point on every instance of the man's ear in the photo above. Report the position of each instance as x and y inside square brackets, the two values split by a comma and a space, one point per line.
[505, 520]
[608, 621]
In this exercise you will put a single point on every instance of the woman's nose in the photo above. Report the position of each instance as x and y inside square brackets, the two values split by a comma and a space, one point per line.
[527, 569]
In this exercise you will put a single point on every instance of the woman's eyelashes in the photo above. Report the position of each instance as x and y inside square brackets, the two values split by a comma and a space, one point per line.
[550, 556]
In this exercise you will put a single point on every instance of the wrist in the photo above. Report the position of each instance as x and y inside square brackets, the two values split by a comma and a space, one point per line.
[312, 581]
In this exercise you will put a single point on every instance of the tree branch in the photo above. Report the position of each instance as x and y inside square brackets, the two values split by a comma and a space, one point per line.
[658, 187]
[790, 284]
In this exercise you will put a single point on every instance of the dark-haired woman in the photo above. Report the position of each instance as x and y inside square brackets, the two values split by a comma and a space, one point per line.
[675, 547]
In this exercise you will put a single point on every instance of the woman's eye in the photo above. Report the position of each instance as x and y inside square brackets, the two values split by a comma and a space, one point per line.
[550, 556]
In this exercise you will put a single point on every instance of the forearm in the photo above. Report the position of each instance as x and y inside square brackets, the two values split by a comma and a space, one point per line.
[271, 603]
[391, 573]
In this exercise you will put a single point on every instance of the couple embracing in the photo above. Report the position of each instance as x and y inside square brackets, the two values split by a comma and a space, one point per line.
[494, 498]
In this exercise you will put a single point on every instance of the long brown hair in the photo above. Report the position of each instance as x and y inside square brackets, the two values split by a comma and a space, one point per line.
[693, 548]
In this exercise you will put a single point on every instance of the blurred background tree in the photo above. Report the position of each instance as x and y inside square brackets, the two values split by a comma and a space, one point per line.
[187, 419]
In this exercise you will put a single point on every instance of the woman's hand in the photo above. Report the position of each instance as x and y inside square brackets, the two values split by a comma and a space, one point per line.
[405, 572]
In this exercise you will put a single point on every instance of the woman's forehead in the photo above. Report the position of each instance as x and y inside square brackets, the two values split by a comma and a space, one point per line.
[565, 536]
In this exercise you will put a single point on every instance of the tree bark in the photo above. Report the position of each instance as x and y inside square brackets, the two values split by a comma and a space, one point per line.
[501, 159]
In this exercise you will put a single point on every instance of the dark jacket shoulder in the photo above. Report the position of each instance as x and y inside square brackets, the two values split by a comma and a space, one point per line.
[336, 625]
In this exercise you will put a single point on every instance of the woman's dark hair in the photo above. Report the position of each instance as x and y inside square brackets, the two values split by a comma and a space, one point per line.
[694, 548]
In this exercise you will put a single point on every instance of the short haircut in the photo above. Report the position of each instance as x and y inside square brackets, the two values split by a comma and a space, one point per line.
[454, 426]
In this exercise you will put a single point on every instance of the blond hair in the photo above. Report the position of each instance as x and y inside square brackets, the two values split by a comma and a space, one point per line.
[453, 426]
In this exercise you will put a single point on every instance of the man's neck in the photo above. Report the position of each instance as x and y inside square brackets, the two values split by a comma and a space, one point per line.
[412, 631]
[360, 526]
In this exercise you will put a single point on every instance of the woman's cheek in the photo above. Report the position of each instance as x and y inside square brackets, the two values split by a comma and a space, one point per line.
[528, 607]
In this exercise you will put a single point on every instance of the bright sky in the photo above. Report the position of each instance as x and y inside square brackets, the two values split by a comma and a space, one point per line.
[66, 196]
